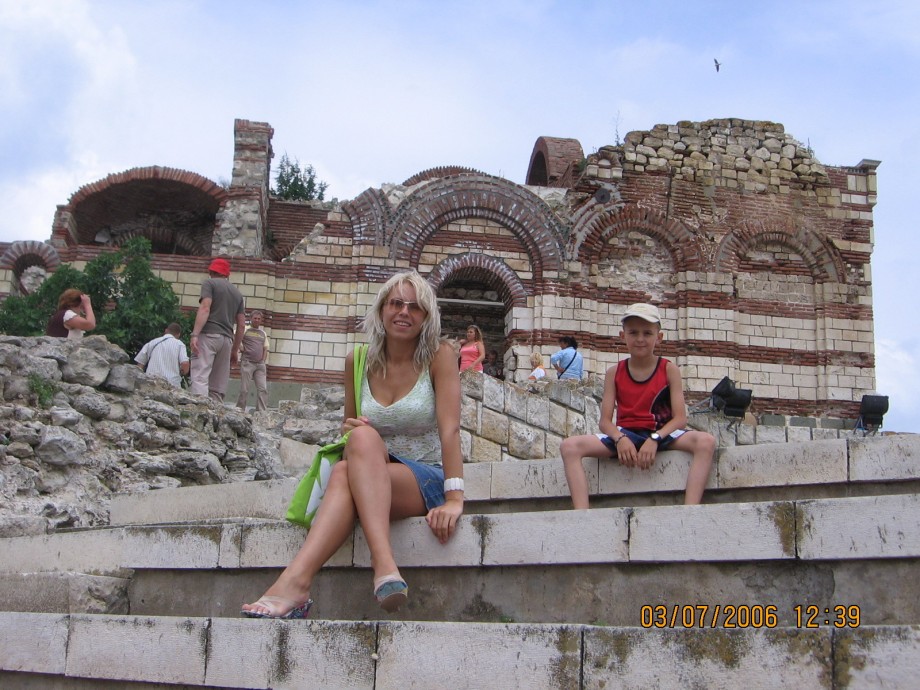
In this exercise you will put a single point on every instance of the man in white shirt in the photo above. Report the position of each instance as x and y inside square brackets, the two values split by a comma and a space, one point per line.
[165, 356]
[253, 355]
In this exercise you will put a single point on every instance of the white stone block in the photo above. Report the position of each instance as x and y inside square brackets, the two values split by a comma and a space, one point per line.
[637, 658]
[561, 536]
[33, 642]
[265, 499]
[283, 654]
[668, 473]
[171, 546]
[537, 479]
[152, 649]
[783, 464]
[414, 544]
[94, 552]
[884, 458]
[478, 655]
[861, 527]
[477, 481]
[719, 532]
[879, 656]
[274, 544]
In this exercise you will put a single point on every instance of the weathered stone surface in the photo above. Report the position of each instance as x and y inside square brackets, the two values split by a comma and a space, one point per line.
[64, 416]
[93, 405]
[859, 527]
[884, 458]
[34, 642]
[494, 426]
[60, 446]
[525, 441]
[637, 658]
[814, 462]
[86, 367]
[507, 656]
[122, 378]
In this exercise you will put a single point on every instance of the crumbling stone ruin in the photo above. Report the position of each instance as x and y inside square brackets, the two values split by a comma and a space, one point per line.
[757, 254]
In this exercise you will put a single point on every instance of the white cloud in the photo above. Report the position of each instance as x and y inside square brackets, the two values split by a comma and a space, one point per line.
[898, 377]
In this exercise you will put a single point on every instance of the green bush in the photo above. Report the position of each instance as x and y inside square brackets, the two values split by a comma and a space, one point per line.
[132, 305]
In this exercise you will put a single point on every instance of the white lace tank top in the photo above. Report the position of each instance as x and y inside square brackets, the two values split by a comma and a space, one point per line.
[409, 426]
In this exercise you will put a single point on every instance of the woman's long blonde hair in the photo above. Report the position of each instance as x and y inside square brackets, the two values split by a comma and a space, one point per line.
[430, 337]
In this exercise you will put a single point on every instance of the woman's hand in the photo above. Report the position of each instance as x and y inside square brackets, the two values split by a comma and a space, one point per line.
[352, 423]
[443, 519]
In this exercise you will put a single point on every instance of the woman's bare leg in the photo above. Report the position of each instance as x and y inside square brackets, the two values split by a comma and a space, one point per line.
[334, 522]
[381, 491]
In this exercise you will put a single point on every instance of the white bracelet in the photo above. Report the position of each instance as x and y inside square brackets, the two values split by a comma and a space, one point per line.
[453, 484]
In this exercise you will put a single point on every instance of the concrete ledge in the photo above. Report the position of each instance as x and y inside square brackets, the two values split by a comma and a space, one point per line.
[297, 654]
[882, 459]
[813, 529]
[722, 532]
[63, 593]
[782, 464]
[885, 458]
[158, 649]
[637, 658]
[33, 642]
[863, 527]
[294, 655]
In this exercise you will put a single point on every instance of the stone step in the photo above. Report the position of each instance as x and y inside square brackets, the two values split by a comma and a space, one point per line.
[851, 465]
[238, 653]
[863, 527]
[550, 566]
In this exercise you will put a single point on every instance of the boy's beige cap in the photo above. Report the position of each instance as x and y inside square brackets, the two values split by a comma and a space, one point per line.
[646, 312]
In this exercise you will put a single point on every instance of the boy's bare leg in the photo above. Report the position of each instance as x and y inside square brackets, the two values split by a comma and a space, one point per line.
[573, 449]
[703, 447]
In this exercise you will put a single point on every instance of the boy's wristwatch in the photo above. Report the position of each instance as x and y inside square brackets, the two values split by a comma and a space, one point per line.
[656, 437]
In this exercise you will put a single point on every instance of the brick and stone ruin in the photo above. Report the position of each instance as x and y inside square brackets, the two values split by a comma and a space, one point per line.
[757, 253]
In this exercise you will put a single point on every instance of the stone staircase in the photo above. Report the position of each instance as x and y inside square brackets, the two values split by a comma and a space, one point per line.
[527, 594]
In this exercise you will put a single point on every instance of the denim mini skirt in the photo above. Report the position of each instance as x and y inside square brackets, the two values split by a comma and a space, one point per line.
[430, 480]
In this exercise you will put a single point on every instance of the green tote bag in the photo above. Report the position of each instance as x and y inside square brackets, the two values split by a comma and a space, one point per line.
[312, 487]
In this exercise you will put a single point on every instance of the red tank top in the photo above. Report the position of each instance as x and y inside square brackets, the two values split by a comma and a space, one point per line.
[643, 404]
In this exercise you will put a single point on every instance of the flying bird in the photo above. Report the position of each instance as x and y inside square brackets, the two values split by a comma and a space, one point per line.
[718, 64]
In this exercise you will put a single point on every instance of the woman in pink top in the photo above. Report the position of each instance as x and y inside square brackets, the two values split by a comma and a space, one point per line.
[472, 350]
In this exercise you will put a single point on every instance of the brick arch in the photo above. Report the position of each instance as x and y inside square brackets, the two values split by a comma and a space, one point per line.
[485, 269]
[550, 158]
[458, 197]
[369, 214]
[160, 236]
[591, 235]
[437, 173]
[21, 255]
[822, 259]
[189, 200]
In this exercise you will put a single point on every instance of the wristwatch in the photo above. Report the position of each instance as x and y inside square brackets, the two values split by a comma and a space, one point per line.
[656, 437]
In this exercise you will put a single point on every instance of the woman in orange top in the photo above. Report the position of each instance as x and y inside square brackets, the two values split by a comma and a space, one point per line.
[472, 350]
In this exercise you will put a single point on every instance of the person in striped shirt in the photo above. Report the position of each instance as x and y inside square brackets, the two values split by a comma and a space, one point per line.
[165, 356]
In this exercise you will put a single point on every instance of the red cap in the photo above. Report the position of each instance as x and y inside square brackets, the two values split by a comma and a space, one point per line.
[221, 267]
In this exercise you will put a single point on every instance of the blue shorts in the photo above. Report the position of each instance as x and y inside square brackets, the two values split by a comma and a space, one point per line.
[430, 480]
[638, 437]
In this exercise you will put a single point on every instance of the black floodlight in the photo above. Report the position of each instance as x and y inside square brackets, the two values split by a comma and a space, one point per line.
[871, 410]
[731, 401]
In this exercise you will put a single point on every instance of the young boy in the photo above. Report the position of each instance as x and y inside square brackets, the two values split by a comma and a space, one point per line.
[646, 391]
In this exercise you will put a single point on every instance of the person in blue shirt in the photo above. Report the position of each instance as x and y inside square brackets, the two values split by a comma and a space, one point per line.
[568, 362]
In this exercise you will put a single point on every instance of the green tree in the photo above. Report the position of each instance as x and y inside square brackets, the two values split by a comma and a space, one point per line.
[131, 303]
[295, 184]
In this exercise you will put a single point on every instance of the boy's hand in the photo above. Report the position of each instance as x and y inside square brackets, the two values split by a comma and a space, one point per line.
[626, 452]
[647, 454]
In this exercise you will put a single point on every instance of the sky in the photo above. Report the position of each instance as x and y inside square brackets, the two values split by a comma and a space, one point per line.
[370, 92]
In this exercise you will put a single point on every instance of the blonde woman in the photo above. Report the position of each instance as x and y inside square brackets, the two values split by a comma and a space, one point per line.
[402, 458]
[536, 361]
